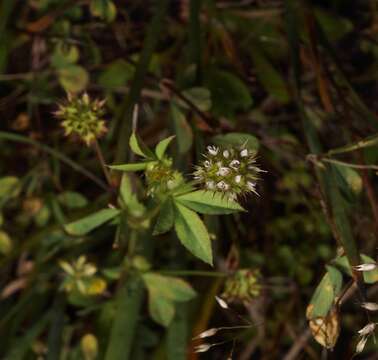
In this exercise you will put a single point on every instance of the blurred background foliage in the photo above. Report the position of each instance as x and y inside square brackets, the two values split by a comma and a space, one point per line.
[297, 78]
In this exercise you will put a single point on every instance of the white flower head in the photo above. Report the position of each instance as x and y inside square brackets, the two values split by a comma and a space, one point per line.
[226, 154]
[223, 171]
[238, 179]
[212, 150]
[207, 163]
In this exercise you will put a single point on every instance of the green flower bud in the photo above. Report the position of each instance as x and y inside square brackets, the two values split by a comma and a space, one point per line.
[161, 178]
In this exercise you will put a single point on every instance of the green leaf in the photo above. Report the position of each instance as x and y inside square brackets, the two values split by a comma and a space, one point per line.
[73, 78]
[9, 187]
[138, 146]
[5, 243]
[269, 77]
[199, 96]
[128, 302]
[161, 148]
[103, 9]
[183, 130]
[116, 74]
[131, 167]
[161, 309]
[207, 202]
[351, 177]
[87, 224]
[334, 26]
[72, 200]
[325, 294]
[192, 233]
[130, 198]
[228, 93]
[163, 291]
[237, 139]
[169, 287]
[64, 55]
[166, 218]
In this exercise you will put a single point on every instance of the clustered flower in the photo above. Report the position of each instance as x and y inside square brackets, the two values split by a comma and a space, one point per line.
[82, 117]
[231, 171]
[80, 277]
[243, 286]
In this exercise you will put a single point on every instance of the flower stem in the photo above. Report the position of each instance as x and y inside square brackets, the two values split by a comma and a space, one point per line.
[102, 161]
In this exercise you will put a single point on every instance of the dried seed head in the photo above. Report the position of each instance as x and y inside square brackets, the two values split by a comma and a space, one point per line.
[367, 329]
[221, 302]
[366, 267]
[361, 345]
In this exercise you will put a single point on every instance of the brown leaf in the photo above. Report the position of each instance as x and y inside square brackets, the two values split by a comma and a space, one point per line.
[326, 330]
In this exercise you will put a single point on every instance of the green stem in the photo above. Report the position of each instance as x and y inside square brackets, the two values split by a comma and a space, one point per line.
[354, 166]
[101, 159]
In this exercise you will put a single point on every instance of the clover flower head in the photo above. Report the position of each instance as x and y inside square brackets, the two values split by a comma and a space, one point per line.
[243, 285]
[80, 276]
[232, 171]
[82, 117]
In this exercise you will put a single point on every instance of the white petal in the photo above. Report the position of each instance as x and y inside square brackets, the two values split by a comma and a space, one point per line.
[244, 153]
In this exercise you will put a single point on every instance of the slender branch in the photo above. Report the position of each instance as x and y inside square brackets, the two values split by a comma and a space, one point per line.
[101, 159]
